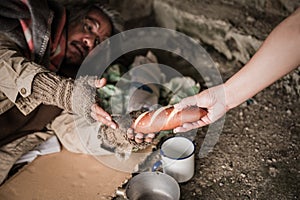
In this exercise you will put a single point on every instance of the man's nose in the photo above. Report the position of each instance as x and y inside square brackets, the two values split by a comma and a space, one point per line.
[89, 41]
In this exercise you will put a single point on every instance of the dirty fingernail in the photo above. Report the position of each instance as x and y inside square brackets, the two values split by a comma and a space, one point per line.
[108, 118]
[139, 136]
[130, 131]
[151, 135]
[130, 136]
[113, 126]
[138, 140]
[149, 140]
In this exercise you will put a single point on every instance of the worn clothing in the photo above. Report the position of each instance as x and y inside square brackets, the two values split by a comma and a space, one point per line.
[31, 41]
[16, 66]
[15, 125]
[11, 152]
[23, 116]
[37, 27]
[32, 36]
[17, 74]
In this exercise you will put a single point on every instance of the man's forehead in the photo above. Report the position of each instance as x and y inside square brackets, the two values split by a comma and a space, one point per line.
[100, 19]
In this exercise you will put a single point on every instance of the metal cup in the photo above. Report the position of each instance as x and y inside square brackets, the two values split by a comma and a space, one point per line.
[151, 186]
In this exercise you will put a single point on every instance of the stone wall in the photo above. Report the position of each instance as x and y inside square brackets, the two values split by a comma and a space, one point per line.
[234, 28]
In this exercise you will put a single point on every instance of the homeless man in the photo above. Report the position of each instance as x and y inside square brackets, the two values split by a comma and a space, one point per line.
[42, 44]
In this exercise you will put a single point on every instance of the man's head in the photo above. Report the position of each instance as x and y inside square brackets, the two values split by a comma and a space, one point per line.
[87, 28]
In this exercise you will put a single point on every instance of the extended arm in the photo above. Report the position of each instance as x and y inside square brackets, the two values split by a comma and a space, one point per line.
[28, 84]
[278, 55]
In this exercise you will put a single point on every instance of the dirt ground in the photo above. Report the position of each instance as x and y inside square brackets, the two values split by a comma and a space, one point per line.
[258, 152]
[257, 155]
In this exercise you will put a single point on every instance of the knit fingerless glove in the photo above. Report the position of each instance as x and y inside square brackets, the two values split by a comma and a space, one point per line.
[73, 97]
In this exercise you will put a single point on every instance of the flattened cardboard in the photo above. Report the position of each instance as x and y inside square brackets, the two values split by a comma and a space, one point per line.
[66, 175]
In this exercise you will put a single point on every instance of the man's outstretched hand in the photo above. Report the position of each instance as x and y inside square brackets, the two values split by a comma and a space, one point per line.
[98, 113]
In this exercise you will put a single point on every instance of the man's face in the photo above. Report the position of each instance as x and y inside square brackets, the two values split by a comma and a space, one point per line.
[84, 35]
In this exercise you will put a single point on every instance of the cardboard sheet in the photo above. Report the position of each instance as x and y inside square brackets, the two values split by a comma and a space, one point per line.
[66, 175]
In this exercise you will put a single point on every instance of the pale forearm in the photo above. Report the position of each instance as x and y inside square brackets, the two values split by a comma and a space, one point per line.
[278, 55]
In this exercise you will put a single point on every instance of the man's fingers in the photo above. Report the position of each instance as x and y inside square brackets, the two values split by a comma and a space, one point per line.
[149, 137]
[130, 133]
[104, 120]
[149, 140]
[99, 111]
[140, 137]
[99, 83]
[100, 115]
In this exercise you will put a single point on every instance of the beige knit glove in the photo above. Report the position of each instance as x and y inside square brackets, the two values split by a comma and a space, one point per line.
[116, 140]
[73, 97]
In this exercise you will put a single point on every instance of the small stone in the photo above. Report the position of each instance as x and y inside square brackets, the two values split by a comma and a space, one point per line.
[289, 112]
[198, 191]
[269, 161]
[266, 108]
[243, 175]
[273, 171]
[250, 19]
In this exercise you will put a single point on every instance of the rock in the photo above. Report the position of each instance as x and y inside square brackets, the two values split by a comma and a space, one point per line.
[273, 171]
[132, 9]
[289, 112]
[215, 32]
[250, 19]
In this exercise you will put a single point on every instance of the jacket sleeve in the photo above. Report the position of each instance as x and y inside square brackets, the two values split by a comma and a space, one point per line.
[17, 74]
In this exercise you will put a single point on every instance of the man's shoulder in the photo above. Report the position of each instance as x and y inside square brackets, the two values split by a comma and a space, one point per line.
[3, 36]
[4, 39]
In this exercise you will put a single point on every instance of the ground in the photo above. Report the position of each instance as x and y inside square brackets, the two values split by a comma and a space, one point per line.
[257, 155]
